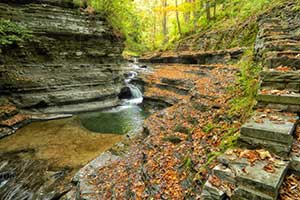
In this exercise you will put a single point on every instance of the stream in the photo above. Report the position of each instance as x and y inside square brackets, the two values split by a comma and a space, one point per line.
[127, 118]
[38, 161]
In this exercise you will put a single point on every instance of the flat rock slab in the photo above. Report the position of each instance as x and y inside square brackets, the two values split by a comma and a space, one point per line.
[275, 147]
[224, 173]
[243, 193]
[272, 127]
[284, 60]
[254, 176]
[211, 192]
[274, 79]
[279, 106]
[291, 99]
[84, 176]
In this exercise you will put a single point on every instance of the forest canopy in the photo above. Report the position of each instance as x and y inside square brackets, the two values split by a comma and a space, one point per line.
[150, 25]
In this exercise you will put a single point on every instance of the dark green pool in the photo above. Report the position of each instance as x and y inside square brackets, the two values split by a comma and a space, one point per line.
[120, 120]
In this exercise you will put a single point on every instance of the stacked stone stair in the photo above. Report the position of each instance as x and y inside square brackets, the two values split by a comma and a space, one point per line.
[249, 180]
[273, 131]
[273, 125]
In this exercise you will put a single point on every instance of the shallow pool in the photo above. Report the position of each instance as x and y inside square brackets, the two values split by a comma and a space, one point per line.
[123, 119]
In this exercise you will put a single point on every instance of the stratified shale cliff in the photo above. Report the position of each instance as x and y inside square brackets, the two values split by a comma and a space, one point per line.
[71, 63]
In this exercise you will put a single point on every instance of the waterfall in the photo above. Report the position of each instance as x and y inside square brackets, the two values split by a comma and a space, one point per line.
[137, 96]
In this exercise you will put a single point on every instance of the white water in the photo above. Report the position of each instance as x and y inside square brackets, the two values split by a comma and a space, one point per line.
[137, 96]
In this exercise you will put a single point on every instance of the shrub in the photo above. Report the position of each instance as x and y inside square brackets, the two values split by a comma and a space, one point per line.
[12, 33]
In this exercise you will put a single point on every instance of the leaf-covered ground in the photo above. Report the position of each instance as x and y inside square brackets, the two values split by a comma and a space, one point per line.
[290, 189]
[171, 161]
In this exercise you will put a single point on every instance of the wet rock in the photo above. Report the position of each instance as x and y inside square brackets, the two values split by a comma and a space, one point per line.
[71, 59]
[30, 179]
[125, 93]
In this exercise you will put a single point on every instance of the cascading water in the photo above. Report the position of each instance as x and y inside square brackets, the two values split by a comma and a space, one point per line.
[136, 94]
[124, 119]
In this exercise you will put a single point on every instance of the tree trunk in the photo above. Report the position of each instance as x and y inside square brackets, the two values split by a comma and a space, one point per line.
[154, 27]
[215, 8]
[164, 22]
[207, 10]
[187, 15]
[177, 18]
[197, 11]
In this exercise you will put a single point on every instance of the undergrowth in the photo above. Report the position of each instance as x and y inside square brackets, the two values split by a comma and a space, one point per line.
[12, 33]
[244, 92]
[246, 87]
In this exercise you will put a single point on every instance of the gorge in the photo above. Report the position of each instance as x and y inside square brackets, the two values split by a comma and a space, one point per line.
[100, 101]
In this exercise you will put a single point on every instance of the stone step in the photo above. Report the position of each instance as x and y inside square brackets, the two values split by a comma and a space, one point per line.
[269, 37]
[276, 127]
[256, 178]
[253, 175]
[279, 99]
[281, 45]
[211, 192]
[275, 147]
[224, 173]
[279, 29]
[281, 80]
[244, 193]
[283, 60]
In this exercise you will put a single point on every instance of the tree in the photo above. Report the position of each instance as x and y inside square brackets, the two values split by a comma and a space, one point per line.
[177, 17]
[164, 21]
[207, 10]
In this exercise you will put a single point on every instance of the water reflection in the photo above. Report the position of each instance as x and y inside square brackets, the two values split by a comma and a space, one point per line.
[120, 120]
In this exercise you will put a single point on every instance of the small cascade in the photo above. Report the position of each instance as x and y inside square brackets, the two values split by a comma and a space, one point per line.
[136, 94]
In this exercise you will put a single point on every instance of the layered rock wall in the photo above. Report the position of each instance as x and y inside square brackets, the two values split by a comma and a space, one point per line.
[71, 63]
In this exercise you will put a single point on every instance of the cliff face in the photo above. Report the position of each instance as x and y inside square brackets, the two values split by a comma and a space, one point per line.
[71, 63]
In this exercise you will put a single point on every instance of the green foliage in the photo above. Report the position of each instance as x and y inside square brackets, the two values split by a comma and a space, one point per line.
[12, 33]
[173, 139]
[140, 21]
[211, 157]
[192, 120]
[122, 16]
[209, 128]
[229, 139]
[247, 86]
[187, 163]
[182, 129]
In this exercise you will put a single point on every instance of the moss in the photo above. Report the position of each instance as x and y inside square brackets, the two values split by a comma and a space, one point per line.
[209, 128]
[229, 140]
[173, 139]
[247, 86]
[12, 33]
[182, 129]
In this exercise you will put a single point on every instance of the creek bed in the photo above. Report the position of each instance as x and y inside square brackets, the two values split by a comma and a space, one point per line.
[61, 147]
